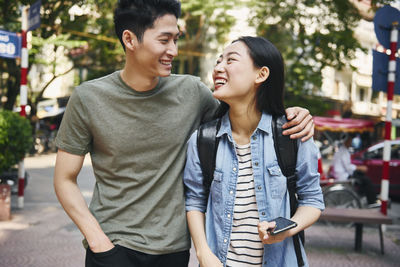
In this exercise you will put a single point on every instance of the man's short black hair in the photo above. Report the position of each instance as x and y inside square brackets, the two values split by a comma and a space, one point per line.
[139, 15]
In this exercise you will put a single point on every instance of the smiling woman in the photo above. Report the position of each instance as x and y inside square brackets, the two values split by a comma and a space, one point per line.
[249, 190]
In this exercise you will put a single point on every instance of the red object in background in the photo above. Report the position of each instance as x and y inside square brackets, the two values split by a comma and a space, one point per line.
[320, 168]
[334, 113]
[342, 125]
[372, 158]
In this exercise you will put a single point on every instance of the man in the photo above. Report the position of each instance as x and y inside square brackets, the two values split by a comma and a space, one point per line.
[343, 169]
[135, 124]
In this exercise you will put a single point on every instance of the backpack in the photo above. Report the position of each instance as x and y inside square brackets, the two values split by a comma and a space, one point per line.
[286, 153]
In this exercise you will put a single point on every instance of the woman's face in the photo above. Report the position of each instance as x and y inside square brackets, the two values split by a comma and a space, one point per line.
[234, 74]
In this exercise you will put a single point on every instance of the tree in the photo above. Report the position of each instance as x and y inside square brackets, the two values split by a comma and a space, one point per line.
[199, 18]
[51, 58]
[10, 20]
[83, 38]
[311, 34]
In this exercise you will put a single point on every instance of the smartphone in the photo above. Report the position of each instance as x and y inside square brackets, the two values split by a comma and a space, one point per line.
[282, 224]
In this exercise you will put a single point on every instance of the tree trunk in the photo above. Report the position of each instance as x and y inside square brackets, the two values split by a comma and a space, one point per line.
[13, 83]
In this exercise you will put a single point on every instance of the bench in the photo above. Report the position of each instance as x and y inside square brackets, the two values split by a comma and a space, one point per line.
[359, 217]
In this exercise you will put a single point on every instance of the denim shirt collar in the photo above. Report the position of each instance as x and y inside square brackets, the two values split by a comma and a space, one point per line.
[263, 125]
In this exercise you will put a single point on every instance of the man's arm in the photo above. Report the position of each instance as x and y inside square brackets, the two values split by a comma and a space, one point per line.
[300, 123]
[68, 193]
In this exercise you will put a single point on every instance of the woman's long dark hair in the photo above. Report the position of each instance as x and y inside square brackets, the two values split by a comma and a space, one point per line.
[269, 96]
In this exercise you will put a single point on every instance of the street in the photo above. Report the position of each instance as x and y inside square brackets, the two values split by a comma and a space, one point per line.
[42, 235]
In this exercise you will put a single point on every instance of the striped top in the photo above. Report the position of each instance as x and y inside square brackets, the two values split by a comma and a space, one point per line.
[245, 248]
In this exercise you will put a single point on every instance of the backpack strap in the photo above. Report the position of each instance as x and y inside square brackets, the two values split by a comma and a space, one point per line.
[207, 145]
[286, 153]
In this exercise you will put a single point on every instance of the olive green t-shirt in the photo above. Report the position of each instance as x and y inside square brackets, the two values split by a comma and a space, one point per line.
[137, 142]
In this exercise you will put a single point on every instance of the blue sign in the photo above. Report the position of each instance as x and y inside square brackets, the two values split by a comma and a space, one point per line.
[34, 16]
[380, 72]
[10, 44]
[383, 20]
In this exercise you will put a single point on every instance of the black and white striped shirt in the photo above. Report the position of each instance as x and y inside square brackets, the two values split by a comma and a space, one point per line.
[245, 248]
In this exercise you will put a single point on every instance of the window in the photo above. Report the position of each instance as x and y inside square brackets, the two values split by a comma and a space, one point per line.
[375, 97]
[362, 94]
[374, 154]
[336, 88]
[395, 152]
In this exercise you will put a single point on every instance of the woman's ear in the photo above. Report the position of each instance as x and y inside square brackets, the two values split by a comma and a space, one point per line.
[130, 40]
[262, 75]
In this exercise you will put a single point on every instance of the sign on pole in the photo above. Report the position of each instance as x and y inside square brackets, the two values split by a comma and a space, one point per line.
[34, 16]
[383, 20]
[380, 63]
[10, 44]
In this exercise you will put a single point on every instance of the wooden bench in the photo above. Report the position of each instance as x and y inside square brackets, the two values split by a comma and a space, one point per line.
[359, 217]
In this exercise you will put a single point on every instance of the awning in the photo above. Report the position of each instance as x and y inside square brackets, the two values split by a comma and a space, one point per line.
[342, 125]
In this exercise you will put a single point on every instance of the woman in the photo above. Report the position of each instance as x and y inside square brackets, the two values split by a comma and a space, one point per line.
[248, 189]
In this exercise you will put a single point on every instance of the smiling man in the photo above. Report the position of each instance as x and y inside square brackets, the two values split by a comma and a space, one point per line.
[135, 124]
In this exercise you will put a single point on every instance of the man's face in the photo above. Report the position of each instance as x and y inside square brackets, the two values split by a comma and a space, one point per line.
[158, 47]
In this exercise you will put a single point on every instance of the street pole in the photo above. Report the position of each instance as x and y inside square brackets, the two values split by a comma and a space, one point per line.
[388, 122]
[23, 95]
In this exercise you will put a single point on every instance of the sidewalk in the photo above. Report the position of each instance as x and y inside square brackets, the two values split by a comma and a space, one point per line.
[41, 234]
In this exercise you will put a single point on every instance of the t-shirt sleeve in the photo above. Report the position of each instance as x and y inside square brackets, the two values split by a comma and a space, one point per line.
[74, 134]
[208, 102]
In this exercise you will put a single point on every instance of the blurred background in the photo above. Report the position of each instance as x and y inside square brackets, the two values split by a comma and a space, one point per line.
[328, 51]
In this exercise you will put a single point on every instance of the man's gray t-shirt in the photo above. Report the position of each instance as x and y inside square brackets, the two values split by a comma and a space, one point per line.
[137, 142]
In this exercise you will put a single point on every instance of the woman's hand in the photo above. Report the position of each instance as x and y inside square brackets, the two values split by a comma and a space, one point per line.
[264, 229]
[208, 259]
[300, 123]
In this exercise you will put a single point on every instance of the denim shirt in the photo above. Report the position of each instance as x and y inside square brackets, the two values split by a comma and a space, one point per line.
[270, 188]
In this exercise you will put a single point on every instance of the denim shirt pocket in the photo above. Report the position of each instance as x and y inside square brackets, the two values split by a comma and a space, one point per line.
[277, 182]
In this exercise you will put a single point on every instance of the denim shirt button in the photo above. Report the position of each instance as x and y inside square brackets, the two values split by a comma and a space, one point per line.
[231, 192]
[259, 187]
[225, 240]
[262, 213]
[254, 138]
[234, 169]
[256, 163]
[228, 215]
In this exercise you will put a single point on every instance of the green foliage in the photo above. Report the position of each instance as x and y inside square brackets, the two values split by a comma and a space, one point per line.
[307, 39]
[314, 104]
[60, 30]
[200, 17]
[311, 34]
[15, 138]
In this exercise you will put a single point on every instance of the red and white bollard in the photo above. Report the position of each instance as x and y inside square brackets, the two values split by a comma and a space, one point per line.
[388, 122]
[23, 99]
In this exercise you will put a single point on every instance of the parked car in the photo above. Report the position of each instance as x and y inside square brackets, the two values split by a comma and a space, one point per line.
[372, 158]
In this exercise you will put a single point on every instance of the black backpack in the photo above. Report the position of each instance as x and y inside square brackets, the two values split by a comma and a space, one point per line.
[286, 153]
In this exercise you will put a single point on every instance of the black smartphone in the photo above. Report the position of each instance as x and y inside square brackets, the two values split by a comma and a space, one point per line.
[282, 224]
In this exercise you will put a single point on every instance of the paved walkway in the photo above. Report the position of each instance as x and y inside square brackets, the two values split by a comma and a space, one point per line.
[41, 234]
